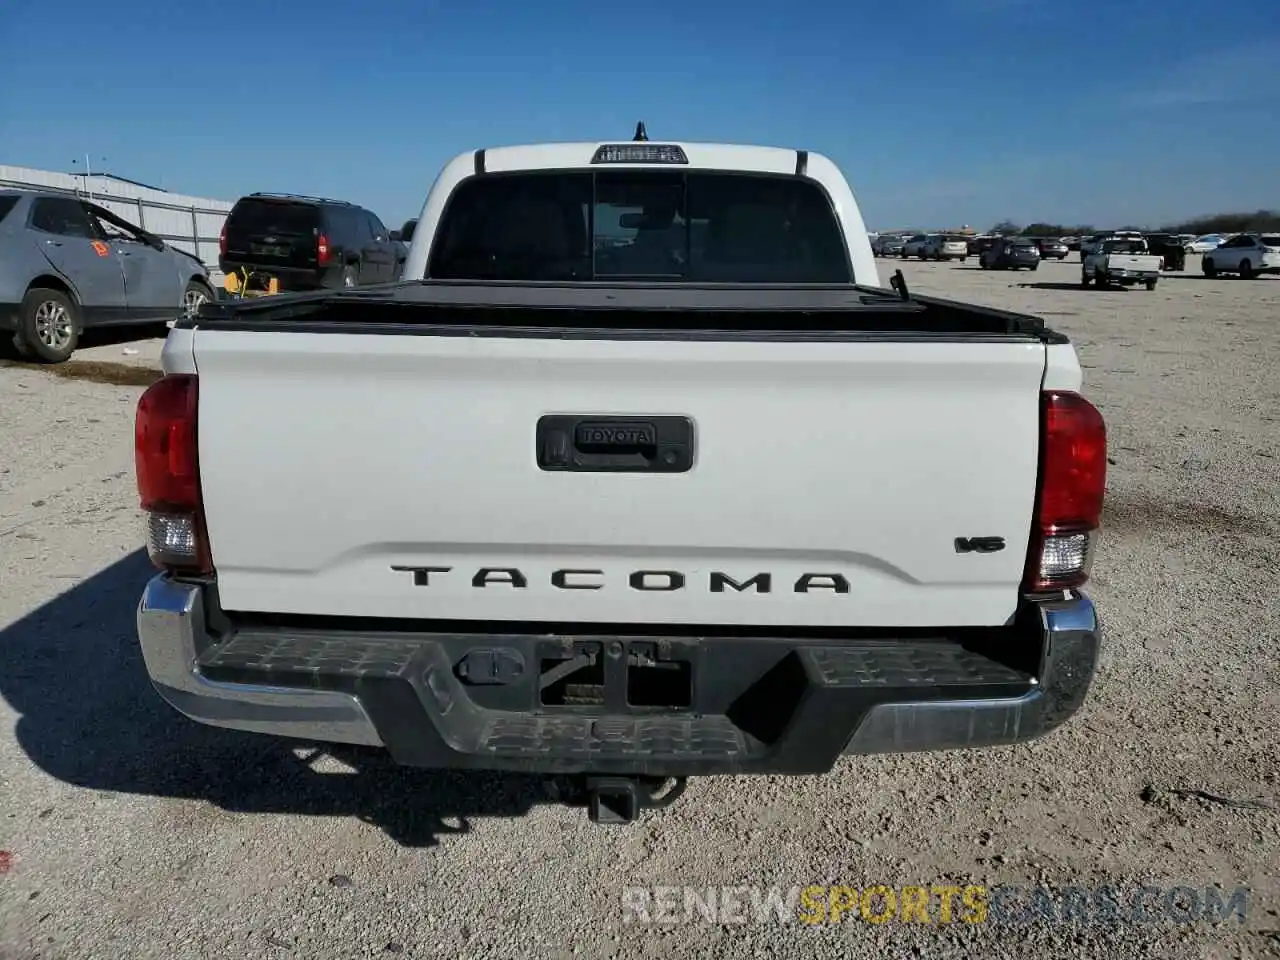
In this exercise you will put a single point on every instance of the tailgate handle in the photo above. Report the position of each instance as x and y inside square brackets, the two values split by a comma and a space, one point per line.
[615, 444]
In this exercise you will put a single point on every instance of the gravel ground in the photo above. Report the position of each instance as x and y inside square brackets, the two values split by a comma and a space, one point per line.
[128, 831]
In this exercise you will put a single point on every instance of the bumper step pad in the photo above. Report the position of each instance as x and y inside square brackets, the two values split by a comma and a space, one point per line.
[758, 705]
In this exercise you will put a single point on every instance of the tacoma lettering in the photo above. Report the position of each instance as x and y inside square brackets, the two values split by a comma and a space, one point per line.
[422, 575]
[561, 579]
[830, 581]
[763, 583]
[487, 575]
[669, 580]
[646, 581]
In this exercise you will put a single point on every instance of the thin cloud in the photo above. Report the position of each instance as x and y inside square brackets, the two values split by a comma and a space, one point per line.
[1233, 75]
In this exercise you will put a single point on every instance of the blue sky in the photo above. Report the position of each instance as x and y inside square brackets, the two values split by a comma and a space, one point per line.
[940, 112]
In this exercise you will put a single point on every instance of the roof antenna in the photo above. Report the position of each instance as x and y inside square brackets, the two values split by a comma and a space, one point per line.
[640, 134]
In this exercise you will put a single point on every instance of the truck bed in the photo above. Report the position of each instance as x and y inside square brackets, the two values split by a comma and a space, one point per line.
[690, 311]
[797, 456]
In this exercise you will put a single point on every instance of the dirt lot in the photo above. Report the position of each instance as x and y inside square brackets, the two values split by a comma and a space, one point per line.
[131, 832]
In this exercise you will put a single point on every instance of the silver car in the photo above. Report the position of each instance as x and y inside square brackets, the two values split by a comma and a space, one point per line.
[941, 246]
[67, 264]
[888, 246]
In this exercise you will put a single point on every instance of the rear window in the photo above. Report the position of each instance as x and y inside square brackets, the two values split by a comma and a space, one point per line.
[7, 204]
[642, 224]
[1124, 246]
[1268, 239]
[273, 217]
[1023, 242]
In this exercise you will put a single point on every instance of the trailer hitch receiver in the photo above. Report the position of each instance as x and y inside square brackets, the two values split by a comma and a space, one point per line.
[614, 799]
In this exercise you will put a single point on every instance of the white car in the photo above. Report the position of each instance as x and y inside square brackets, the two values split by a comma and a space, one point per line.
[1247, 254]
[1203, 244]
[943, 247]
[744, 512]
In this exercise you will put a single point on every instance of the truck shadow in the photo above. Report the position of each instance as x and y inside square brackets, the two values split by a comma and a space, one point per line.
[87, 715]
[1072, 286]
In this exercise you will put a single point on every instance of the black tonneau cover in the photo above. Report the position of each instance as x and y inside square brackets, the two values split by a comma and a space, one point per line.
[509, 308]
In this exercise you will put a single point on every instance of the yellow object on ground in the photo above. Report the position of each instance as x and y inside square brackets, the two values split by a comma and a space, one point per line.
[235, 283]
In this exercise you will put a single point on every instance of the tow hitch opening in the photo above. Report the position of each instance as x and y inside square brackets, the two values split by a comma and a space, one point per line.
[616, 800]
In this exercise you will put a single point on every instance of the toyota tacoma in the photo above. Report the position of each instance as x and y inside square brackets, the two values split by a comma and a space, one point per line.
[638, 473]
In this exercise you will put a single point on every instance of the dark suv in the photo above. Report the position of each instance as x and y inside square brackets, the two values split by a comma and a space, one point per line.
[1170, 247]
[1011, 253]
[305, 243]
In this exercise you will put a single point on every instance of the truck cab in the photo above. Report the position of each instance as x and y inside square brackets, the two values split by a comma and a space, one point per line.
[673, 213]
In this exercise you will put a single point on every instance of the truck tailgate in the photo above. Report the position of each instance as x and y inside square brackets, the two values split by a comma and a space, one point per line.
[844, 471]
[1136, 262]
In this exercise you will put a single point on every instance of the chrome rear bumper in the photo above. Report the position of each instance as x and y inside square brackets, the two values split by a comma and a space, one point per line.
[171, 617]
[173, 632]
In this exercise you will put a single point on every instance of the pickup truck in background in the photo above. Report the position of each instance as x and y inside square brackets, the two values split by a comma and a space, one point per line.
[1121, 261]
[638, 474]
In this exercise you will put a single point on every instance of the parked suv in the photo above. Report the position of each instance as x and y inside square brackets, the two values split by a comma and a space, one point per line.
[1011, 253]
[1170, 248]
[945, 247]
[281, 242]
[67, 264]
[914, 247]
[1247, 254]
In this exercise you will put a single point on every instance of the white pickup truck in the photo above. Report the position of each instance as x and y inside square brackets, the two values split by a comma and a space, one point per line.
[638, 474]
[1121, 261]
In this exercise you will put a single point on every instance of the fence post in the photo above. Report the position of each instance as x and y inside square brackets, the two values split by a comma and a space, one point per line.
[142, 215]
[195, 234]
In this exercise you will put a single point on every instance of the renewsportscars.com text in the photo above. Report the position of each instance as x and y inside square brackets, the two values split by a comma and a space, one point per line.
[939, 904]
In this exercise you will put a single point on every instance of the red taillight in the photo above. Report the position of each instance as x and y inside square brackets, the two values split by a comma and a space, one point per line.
[1073, 479]
[322, 249]
[168, 474]
[222, 240]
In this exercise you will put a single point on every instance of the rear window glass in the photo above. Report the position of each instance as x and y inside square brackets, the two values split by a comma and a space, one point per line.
[7, 204]
[266, 216]
[1271, 239]
[1023, 242]
[1124, 246]
[650, 225]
